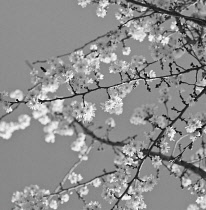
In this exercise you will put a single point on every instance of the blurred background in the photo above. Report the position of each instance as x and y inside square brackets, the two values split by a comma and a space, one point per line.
[35, 30]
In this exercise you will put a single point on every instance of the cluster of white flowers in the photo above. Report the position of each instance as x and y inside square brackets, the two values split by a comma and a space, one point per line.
[74, 178]
[158, 120]
[141, 114]
[110, 122]
[49, 84]
[124, 14]
[76, 77]
[6, 129]
[107, 56]
[186, 182]
[81, 66]
[17, 94]
[170, 131]
[6, 105]
[136, 203]
[92, 205]
[151, 74]
[79, 82]
[53, 204]
[174, 169]
[135, 198]
[83, 191]
[41, 115]
[126, 51]
[118, 66]
[116, 184]
[202, 84]
[113, 105]
[193, 124]
[193, 207]
[79, 142]
[33, 97]
[96, 182]
[64, 129]
[156, 161]
[102, 8]
[134, 147]
[84, 111]
[57, 105]
[50, 130]
[64, 198]
[31, 198]
[158, 38]
[122, 159]
[148, 184]
[121, 90]
[83, 3]
[201, 201]
[53, 124]
[168, 49]
[138, 32]
[138, 117]
[79, 145]
[164, 147]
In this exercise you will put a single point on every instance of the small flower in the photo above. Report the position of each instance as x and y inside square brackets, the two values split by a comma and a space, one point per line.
[186, 182]
[92, 205]
[201, 201]
[126, 50]
[164, 147]
[201, 85]
[110, 122]
[193, 125]
[156, 161]
[101, 12]
[50, 138]
[83, 3]
[193, 207]
[74, 178]
[53, 204]
[31, 195]
[83, 191]
[171, 133]
[129, 150]
[17, 94]
[148, 184]
[152, 74]
[175, 169]
[96, 182]
[64, 198]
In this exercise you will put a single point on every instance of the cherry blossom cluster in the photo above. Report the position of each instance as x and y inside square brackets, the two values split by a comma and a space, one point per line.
[7, 128]
[80, 146]
[81, 74]
[31, 198]
[145, 113]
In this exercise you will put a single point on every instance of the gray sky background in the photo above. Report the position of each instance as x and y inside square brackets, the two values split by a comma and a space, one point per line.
[39, 29]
